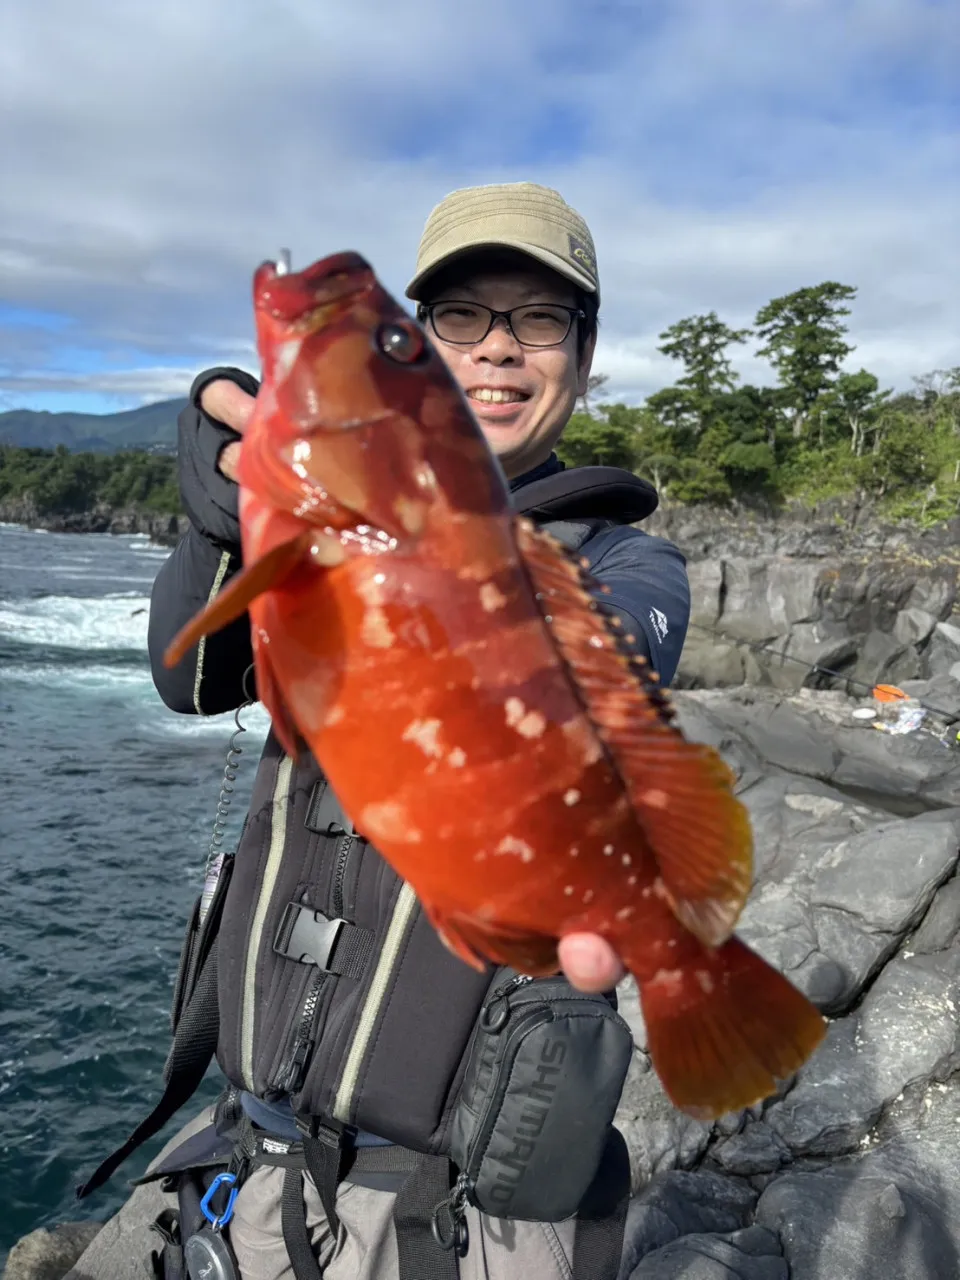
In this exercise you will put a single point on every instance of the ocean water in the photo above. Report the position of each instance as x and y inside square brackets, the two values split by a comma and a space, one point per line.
[107, 802]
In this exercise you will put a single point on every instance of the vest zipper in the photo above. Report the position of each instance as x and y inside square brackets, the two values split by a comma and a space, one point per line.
[294, 1069]
[290, 1077]
[340, 871]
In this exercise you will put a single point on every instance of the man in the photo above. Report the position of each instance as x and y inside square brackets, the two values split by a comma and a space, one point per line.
[506, 284]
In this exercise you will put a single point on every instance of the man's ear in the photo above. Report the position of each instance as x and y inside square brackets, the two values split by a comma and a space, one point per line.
[586, 363]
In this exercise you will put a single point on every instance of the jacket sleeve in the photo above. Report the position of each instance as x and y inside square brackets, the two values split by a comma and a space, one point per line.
[648, 590]
[209, 680]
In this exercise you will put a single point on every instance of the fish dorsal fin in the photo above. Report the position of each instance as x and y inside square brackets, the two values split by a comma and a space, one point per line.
[681, 792]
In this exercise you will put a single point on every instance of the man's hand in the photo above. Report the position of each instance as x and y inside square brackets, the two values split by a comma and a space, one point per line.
[225, 402]
[589, 962]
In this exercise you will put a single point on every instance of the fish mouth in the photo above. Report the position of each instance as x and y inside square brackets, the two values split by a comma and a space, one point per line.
[310, 297]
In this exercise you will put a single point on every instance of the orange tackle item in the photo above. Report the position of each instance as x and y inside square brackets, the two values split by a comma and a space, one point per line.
[448, 668]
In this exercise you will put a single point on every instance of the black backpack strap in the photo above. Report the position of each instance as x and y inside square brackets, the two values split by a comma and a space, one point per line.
[598, 1242]
[293, 1220]
[420, 1255]
[193, 1048]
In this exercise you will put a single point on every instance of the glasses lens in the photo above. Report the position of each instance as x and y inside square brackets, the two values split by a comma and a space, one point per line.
[460, 321]
[540, 324]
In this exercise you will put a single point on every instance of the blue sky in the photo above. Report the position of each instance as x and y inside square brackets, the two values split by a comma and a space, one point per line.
[723, 152]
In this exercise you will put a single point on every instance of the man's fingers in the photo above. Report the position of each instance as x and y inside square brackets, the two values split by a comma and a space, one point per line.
[589, 962]
[224, 401]
[229, 460]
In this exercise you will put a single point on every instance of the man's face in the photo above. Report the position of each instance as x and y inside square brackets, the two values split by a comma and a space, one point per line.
[542, 383]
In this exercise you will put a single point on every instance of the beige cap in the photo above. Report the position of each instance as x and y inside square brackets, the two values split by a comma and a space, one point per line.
[514, 215]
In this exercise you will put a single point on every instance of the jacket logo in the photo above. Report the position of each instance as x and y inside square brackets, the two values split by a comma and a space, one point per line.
[659, 621]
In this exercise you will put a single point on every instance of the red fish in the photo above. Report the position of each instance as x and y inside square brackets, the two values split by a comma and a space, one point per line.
[474, 711]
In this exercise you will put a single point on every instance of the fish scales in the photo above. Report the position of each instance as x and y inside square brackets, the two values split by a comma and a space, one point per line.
[448, 668]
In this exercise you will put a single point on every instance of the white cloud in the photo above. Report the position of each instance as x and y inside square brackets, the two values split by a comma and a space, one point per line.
[723, 153]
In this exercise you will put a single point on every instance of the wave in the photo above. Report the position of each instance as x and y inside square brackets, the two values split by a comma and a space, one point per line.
[103, 623]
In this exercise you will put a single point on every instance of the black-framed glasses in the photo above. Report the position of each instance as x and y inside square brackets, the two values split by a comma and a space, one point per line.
[536, 324]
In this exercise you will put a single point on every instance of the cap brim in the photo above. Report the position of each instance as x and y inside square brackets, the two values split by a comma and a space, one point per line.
[551, 260]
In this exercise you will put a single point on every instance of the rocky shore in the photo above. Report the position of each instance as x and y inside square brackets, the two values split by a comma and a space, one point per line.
[831, 587]
[165, 530]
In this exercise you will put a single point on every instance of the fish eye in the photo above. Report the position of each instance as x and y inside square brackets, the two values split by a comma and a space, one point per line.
[401, 342]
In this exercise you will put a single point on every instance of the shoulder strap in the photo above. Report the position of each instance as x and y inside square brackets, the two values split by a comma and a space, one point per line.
[586, 493]
[598, 1242]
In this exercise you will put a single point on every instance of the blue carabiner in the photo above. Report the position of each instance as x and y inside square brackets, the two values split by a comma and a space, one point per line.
[222, 1179]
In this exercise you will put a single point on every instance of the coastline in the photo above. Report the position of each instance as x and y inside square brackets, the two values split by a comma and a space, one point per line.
[166, 529]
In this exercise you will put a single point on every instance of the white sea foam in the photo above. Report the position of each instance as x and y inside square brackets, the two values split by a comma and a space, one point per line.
[102, 623]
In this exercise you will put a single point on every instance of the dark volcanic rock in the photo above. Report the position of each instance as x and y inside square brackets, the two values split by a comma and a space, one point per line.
[857, 899]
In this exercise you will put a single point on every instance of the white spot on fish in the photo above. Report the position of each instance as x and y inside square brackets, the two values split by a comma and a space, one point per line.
[515, 711]
[491, 597]
[608, 849]
[511, 844]
[411, 514]
[670, 978]
[574, 851]
[705, 981]
[532, 725]
[631, 880]
[588, 896]
[457, 757]
[655, 799]
[480, 856]
[625, 913]
[287, 355]
[334, 715]
[626, 859]
[375, 630]
[368, 589]
[388, 821]
[424, 733]
[571, 797]
[568, 890]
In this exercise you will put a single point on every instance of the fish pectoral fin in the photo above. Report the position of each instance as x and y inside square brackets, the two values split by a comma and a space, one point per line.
[234, 600]
[681, 792]
[478, 942]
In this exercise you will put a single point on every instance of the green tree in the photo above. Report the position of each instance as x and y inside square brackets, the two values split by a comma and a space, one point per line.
[609, 439]
[700, 343]
[852, 406]
[805, 341]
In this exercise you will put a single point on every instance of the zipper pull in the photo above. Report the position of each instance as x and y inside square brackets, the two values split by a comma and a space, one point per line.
[496, 1011]
[449, 1224]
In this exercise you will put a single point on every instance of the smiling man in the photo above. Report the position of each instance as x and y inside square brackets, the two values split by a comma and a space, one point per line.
[507, 285]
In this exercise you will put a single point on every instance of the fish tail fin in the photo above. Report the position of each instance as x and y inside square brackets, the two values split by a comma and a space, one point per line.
[724, 1027]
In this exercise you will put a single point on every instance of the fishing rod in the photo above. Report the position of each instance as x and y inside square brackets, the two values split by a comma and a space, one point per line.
[816, 668]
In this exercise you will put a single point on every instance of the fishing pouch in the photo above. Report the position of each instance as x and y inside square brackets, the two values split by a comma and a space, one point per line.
[544, 1077]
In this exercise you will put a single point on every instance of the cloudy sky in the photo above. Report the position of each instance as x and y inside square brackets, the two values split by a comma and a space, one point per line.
[723, 152]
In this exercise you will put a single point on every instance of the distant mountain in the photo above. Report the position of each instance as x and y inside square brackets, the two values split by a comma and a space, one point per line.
[152, 427]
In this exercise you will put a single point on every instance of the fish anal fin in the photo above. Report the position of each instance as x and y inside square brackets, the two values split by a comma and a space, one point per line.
[724, 1028]
[235, 598]
[681, 791]
[479, 943]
